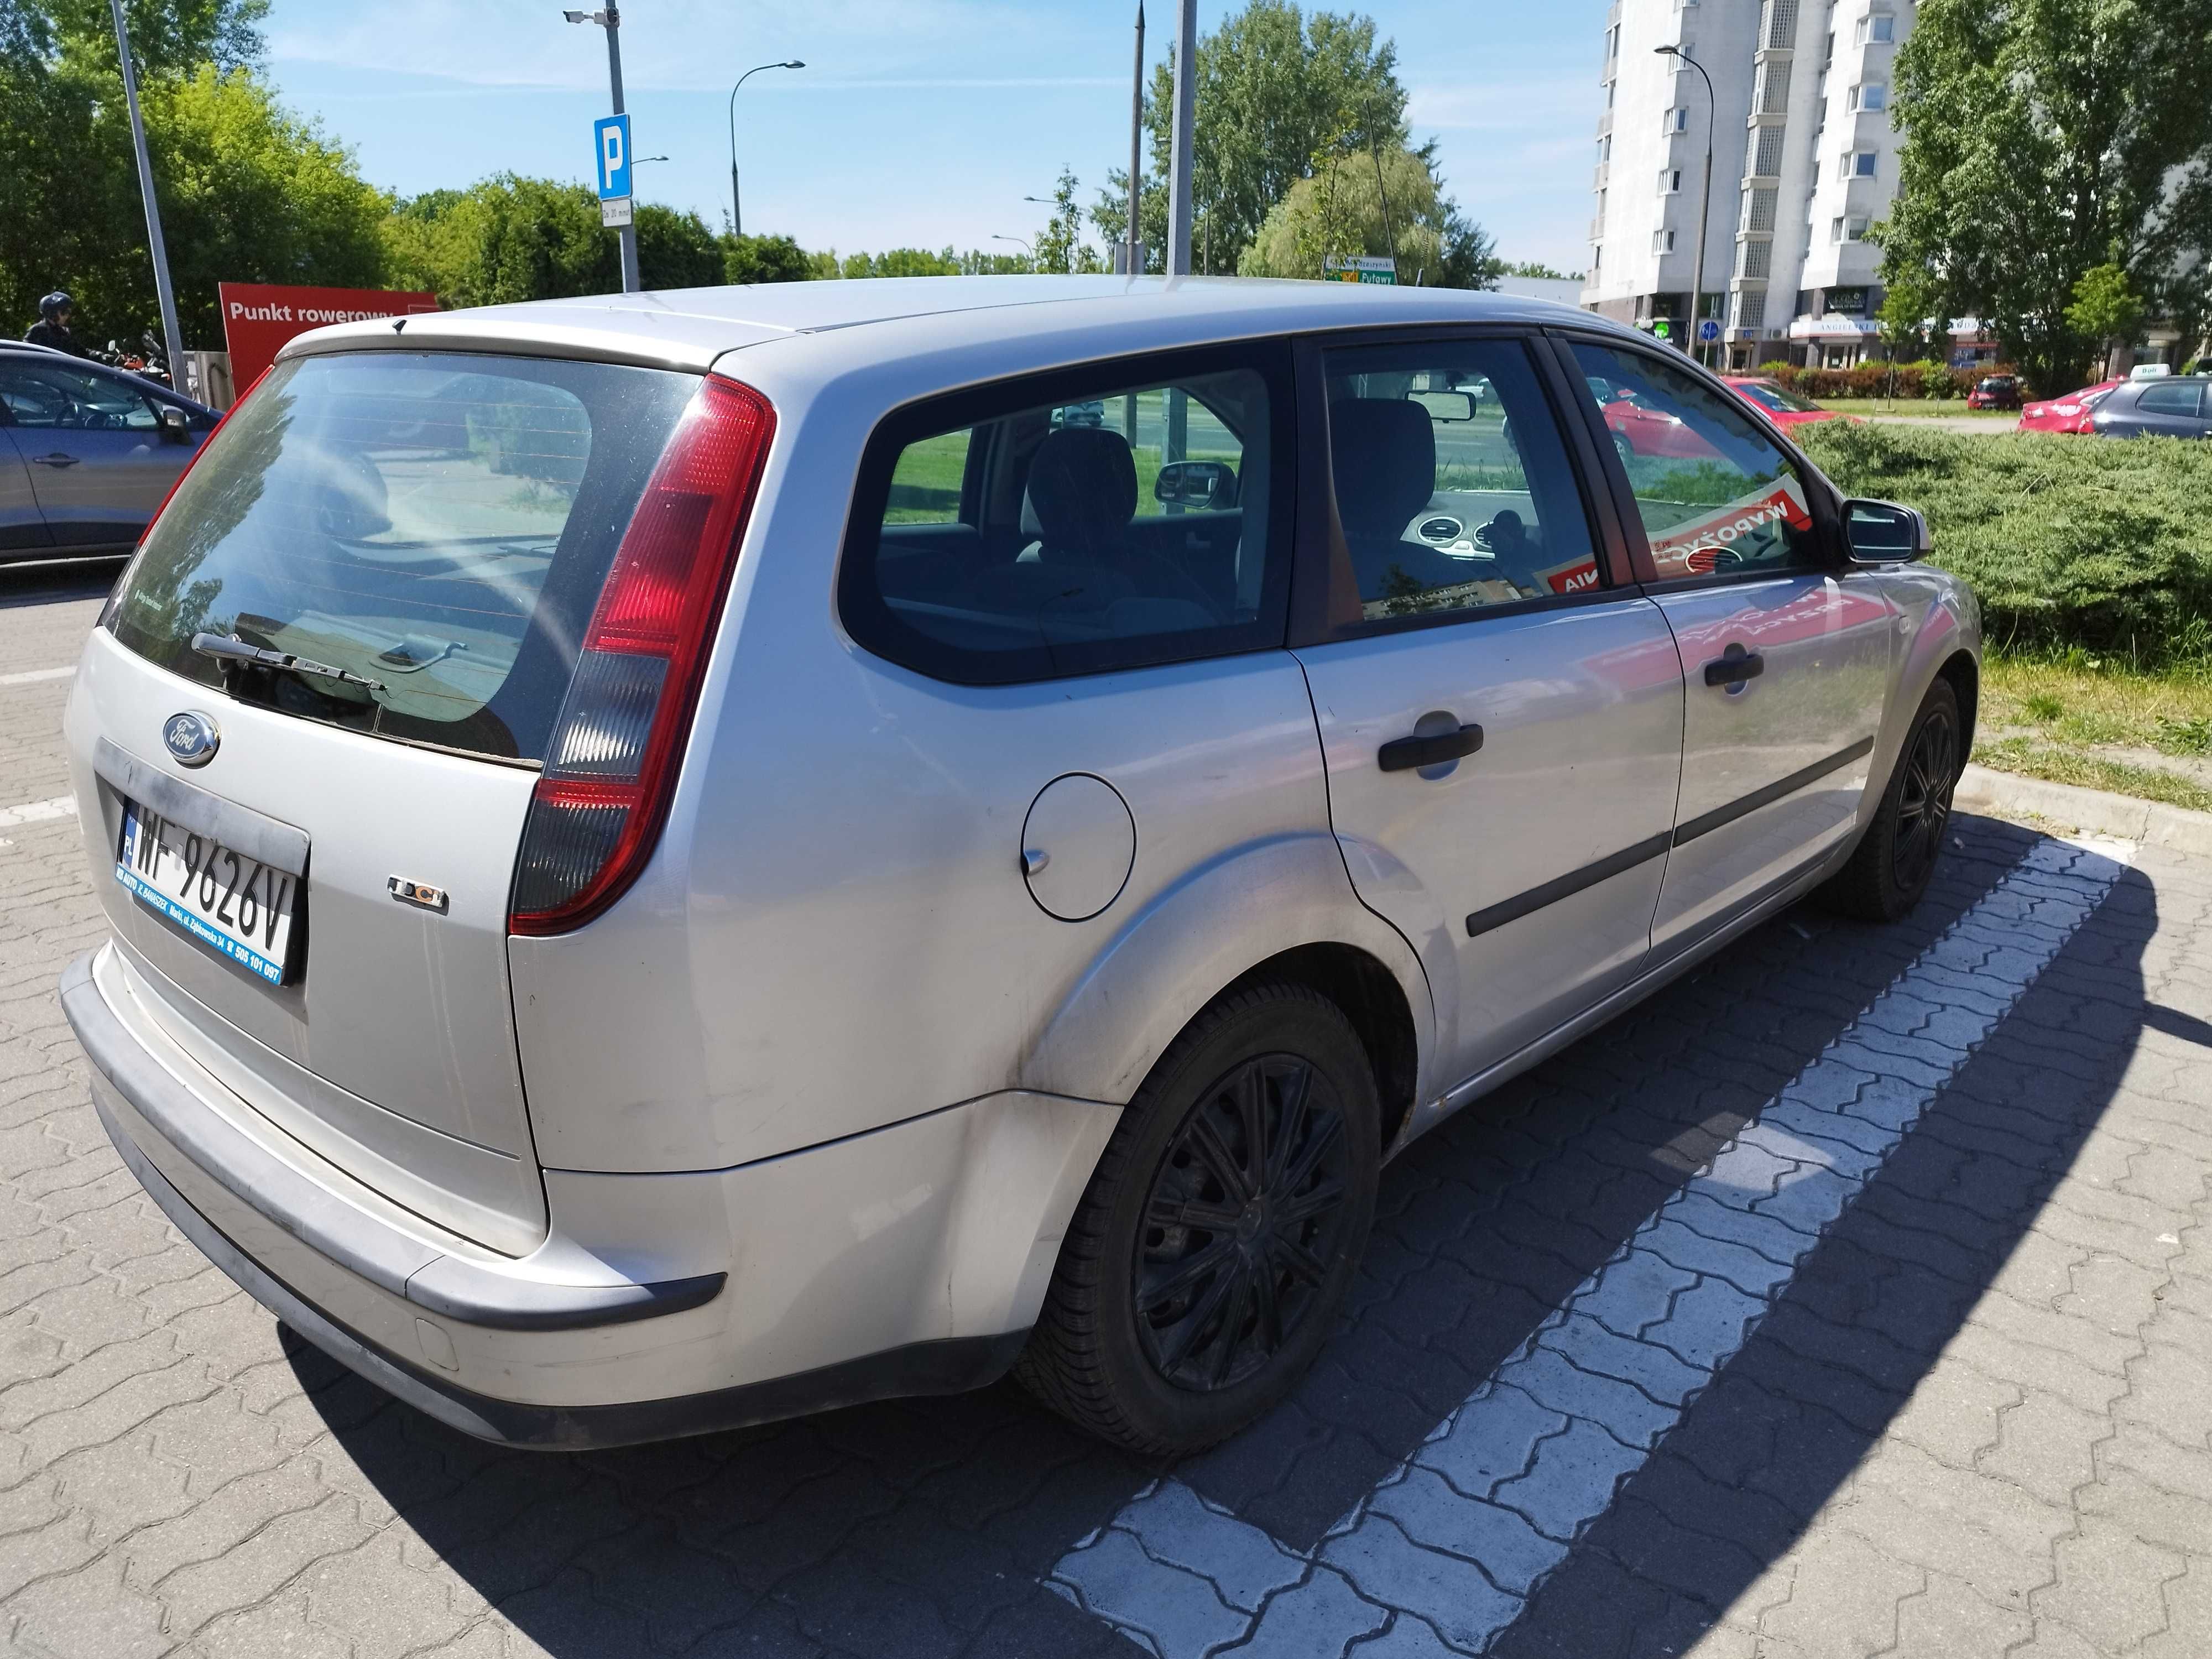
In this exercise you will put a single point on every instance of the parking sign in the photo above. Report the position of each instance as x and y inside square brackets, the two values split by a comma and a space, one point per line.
[611, 142]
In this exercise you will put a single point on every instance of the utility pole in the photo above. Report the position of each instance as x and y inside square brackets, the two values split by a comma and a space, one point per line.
[611, 21]
[171, 338]
[1133, 261]
[1179, 169]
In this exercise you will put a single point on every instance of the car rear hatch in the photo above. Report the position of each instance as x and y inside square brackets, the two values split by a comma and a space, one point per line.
[373, 591]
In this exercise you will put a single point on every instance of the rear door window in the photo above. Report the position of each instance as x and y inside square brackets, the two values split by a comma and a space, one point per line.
[1452, 486]
[1074, 523]
[437, 524]
[2181, 398]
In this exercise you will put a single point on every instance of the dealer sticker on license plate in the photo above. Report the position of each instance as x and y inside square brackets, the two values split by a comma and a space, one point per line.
[234, 905]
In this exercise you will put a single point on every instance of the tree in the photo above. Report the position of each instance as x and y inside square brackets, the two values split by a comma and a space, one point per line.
[248, 192]
[676, 249]
[764, 260]
[2105, 309]
[2043, 141]
[1538, 270]
[1273, 86]
[504, 239]
[1060, 247]
[1340, 210]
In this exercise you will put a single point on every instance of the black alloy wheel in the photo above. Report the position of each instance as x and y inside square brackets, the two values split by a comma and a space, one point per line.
[1923, 804]
[1216, 1244]
[1242, 1216]
[1896, 857]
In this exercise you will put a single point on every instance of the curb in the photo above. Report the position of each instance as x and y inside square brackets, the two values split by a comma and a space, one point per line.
[2150, 823]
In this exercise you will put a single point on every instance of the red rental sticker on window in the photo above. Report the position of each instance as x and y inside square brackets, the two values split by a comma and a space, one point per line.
[1695, 548]
[1570, 578]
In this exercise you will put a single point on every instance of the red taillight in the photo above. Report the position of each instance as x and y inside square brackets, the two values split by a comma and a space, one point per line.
[598, 806]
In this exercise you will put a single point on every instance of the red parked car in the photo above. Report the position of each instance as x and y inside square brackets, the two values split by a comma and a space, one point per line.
[2070, 413]
[1995, 391]
[1782, 406]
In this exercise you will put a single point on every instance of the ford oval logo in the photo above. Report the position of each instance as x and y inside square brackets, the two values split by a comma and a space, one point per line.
[191, 738]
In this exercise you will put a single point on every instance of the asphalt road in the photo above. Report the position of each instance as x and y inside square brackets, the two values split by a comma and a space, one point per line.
[1851, 1296]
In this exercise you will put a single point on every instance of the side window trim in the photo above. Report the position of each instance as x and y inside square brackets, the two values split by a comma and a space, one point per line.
[862, 616]
[1819, 492]
[1317, 518]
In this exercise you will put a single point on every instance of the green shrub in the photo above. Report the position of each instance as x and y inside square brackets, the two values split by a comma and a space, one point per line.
[2086, 544]
[1927, 378]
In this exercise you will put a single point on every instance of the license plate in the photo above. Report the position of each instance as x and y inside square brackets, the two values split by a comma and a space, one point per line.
[236, 906]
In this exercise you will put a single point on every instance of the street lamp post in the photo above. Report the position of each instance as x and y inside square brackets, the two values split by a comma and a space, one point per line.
[1182, 138]
[163, 293]
[611, 21]
[1027, 250]
[1705, 196]
[737, 219]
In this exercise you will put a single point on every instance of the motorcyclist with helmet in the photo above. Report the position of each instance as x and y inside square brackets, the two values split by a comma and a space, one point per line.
[52, 328]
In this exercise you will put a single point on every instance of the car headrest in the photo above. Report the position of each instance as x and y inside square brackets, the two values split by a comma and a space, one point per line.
[1384, 454]
[1083, 485]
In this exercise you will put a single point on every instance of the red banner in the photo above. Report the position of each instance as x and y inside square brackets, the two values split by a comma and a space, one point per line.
[259, 318]
[1700, 546]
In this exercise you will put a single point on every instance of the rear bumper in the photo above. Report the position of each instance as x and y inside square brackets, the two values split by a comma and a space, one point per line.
[908, 1261]
[944, 1367]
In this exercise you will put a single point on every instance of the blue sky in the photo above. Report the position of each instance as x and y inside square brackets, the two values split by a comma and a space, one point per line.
[917, 122]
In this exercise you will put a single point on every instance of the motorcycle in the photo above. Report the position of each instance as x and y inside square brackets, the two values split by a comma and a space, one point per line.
[152, 364]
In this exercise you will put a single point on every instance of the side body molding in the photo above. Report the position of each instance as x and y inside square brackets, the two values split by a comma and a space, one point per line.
[1197, 937]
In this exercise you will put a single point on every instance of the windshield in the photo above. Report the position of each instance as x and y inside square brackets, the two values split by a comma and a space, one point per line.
[1770, 394]
[438, 523]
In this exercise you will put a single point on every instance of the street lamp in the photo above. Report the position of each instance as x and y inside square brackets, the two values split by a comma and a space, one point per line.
[737, 219]
[611, 21]
[1018, 243]
[1704, 195]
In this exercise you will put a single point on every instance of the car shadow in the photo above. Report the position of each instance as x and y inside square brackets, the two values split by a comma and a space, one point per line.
[924, 1527]
[44, 581]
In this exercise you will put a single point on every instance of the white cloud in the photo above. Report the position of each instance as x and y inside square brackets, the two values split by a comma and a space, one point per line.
[1528, 105]
[667, 45]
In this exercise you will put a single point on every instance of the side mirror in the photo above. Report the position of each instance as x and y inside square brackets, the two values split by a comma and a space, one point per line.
[176, 425]
[1882, 533]
[1196, 484]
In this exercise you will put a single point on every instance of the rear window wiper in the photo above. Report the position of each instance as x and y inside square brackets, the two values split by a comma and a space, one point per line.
[234, 655]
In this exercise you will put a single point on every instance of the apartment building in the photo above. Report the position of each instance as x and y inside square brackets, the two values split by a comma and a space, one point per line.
[1803, 160]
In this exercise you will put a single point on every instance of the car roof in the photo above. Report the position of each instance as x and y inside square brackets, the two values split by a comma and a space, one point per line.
[690, 328]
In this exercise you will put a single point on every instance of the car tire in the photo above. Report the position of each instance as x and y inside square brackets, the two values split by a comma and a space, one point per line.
[1156, 1332]
[1623, 448]
[1897, 856]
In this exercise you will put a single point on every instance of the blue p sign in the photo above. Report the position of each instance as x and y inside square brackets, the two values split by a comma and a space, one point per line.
[610, 134]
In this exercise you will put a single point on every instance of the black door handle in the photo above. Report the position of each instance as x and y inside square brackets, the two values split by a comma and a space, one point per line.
[1407, 754]
[55, 459]
[1736, 667]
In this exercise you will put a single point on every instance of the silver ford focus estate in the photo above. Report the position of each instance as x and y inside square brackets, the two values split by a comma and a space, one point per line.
[679, 859]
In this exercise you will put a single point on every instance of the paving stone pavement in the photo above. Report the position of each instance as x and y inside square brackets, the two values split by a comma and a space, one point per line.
[1976, 1417]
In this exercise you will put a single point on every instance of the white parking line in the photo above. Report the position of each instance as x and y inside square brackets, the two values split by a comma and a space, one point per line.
[38, 811]
[1462, 1533]
[34, 676]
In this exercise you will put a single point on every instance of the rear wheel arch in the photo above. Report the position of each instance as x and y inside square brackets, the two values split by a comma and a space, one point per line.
[1369, 996]
[1286, 903]
[1965, 676]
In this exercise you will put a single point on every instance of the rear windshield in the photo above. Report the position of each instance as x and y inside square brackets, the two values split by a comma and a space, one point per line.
[438, 523]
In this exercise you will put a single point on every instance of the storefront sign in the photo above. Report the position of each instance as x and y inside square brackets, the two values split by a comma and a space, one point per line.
[259, 317]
